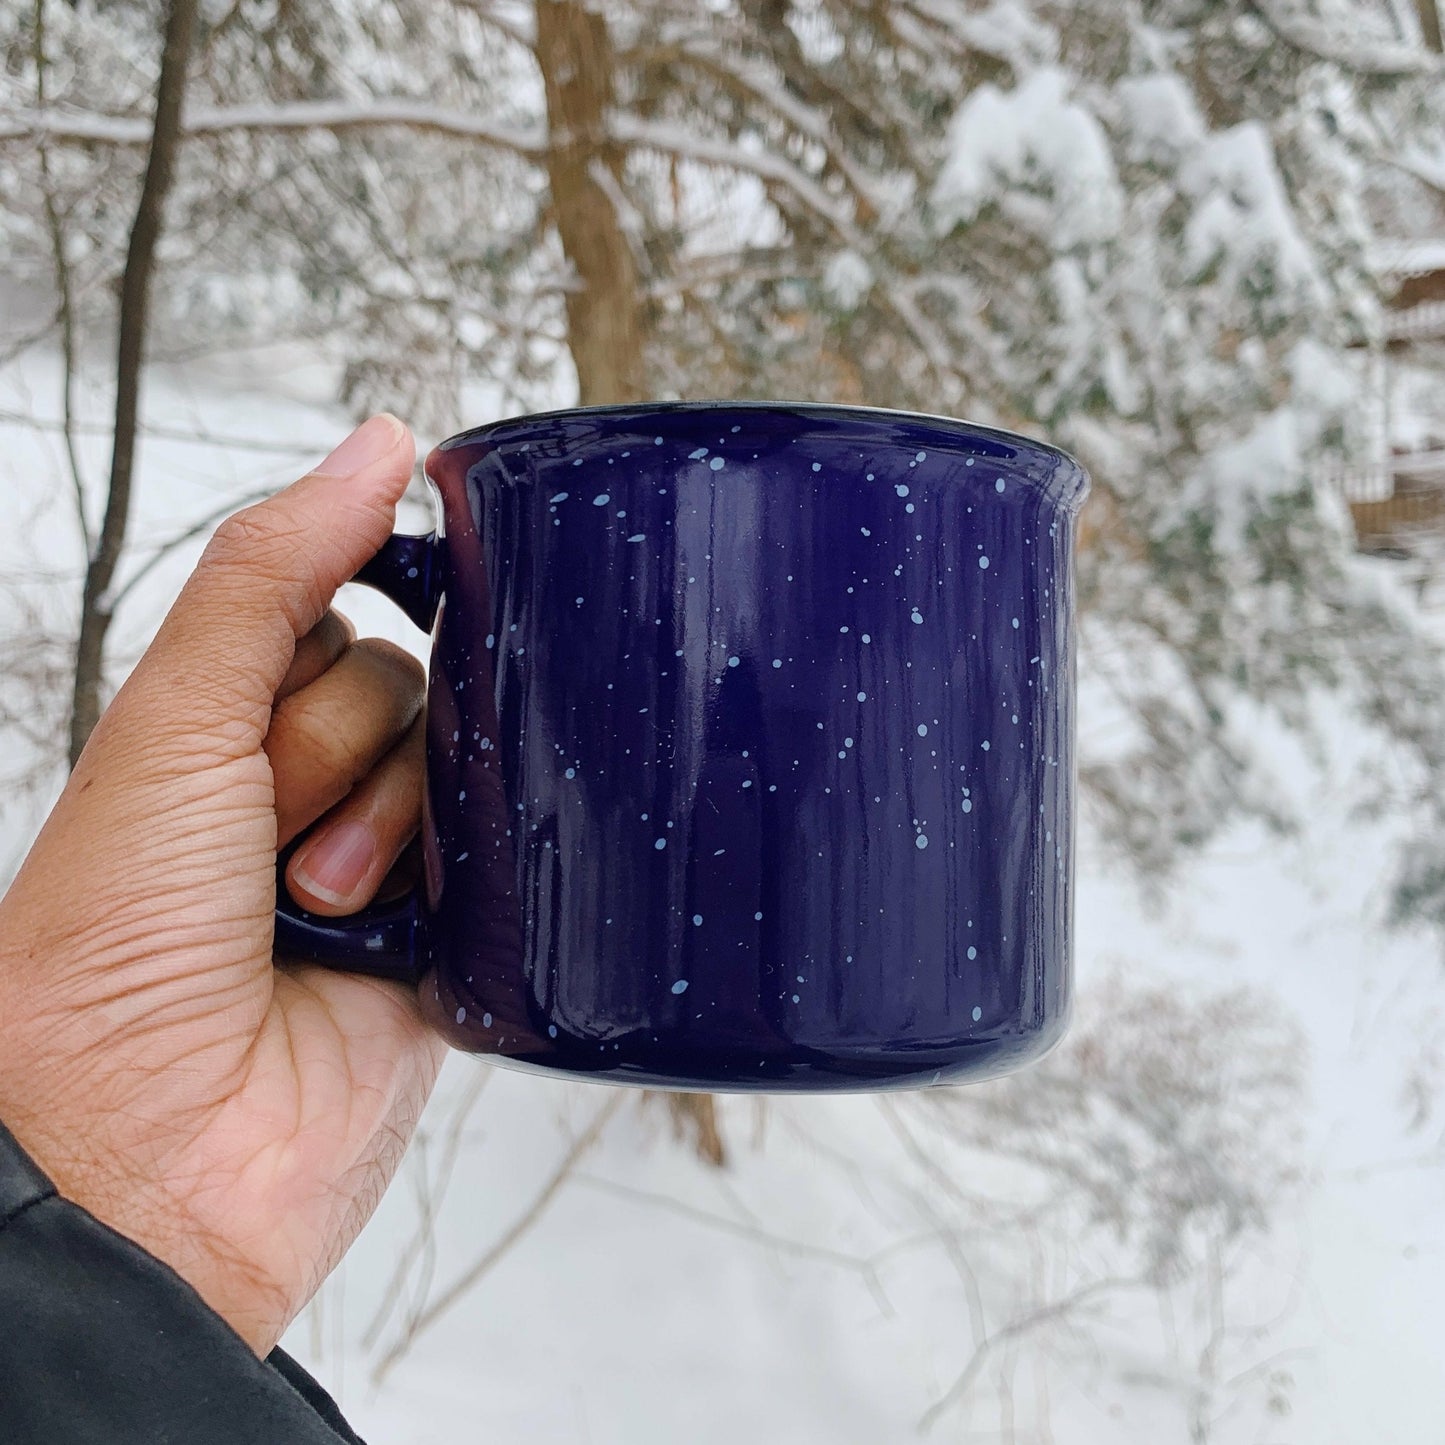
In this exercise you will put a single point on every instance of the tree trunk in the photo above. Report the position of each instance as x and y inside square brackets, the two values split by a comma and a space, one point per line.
[584, 168]
[96, 606]
[1429, 13]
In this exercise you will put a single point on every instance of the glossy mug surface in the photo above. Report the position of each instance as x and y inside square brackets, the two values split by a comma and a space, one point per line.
[749, 748]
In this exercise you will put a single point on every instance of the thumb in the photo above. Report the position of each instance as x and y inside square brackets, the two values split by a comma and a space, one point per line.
[266, 578]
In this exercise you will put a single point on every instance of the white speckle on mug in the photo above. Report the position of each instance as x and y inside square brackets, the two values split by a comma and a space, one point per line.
[461, 1015]
[601, 499]
[561, 496]
[491, 640]
[972, 951]
[1016, 624]
[777, 662]
[922, 456]
[909, 508]
[716, 464]
[917, 617]
[698, 455]
[551, 1031]
[998, 485]
[680, 986]
[660, 844]
[985, 745]
[901, 489]
[983, 563]
[866, 638]
[862, 697]
[486, 1021]
[757, 918]
[817, 466]
[923, 730]
[921, 841]
[638, 537]
[570, 773]
[967, 805]
[977, 1013]
[733, 661]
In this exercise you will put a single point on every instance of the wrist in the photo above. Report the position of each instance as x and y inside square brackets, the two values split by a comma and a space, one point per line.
[142, 1212]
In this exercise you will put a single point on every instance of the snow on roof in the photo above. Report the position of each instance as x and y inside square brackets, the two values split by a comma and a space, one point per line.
[1402, 256]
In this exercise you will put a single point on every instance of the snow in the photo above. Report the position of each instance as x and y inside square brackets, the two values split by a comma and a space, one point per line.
[805, 1294]
[847, 279]
[1032, 139]
[1160, 116]
[1399, 257]
[659, 1300]
[1242, 221]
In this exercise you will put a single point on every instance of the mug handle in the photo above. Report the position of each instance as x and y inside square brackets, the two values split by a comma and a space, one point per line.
[381, 939]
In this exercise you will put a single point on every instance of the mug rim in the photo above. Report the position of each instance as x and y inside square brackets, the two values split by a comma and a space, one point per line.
[953, 425]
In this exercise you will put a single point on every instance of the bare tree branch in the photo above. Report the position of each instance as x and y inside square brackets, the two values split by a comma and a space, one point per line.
[96, 606]
[63, 289]
[423, 1318]
[190, 436]
[804, 1249]
[1020, 1325]
[434, 1189]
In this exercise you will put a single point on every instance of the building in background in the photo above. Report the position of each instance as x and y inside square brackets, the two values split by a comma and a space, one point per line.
[1397, 501]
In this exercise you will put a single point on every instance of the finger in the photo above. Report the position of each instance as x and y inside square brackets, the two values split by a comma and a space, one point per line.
[316, 652]
[328, 736]
[339, 868]
[264, 581]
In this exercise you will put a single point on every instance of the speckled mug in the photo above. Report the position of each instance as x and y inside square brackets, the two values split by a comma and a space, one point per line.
[749, 748]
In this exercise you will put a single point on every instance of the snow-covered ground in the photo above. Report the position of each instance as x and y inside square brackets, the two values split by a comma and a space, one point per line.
[789, 1299]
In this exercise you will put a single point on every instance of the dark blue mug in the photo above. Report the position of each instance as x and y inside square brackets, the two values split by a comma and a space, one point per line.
[749, 748]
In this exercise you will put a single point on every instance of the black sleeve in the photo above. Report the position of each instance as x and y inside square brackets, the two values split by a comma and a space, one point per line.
[101, 1342]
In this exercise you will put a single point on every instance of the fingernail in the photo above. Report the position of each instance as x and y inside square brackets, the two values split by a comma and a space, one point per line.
[333, 866]
[371, 441]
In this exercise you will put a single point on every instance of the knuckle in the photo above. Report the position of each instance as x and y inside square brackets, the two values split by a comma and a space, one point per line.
[244, 533]
[263, 541]
[395, 661]
[317, 736]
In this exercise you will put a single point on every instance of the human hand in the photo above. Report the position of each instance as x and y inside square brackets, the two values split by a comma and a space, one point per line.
[239, 1120]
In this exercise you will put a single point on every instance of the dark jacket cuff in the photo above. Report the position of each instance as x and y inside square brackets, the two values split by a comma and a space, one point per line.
[100, 1341]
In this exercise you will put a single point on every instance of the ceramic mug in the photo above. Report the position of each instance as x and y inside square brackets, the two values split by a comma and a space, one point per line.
[749, 748]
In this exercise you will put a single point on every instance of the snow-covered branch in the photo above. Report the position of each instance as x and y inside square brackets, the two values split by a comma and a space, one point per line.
[119, 130]
[768, 166]
[339, 116]
[1368, 55]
